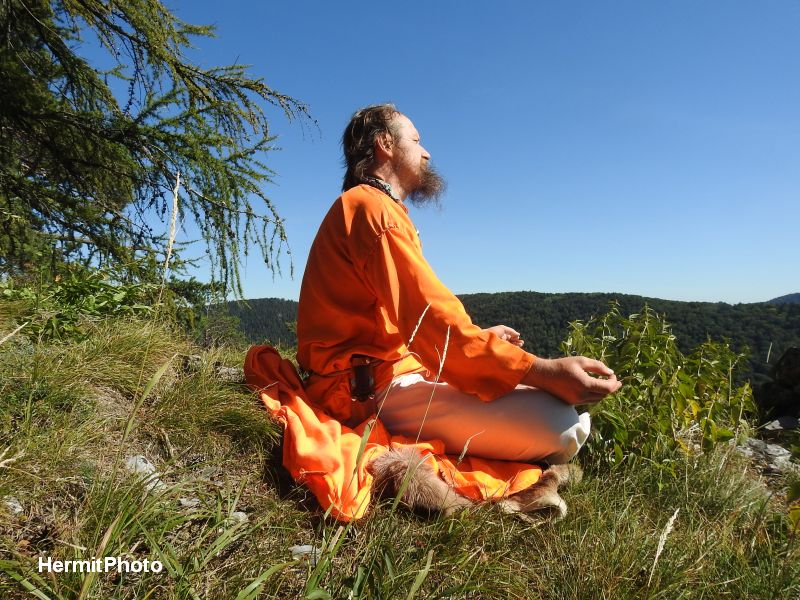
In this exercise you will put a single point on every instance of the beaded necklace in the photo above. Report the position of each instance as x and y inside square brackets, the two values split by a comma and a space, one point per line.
[381, 185]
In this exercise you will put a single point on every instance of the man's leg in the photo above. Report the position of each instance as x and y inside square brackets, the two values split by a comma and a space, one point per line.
[526, 425]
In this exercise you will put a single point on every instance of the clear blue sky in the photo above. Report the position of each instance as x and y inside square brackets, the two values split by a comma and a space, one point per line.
[647, 148]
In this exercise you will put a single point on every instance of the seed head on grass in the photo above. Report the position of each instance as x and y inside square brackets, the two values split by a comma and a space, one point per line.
[661, 541]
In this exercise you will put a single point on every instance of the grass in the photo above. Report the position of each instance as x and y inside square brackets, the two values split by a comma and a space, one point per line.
[64, 414]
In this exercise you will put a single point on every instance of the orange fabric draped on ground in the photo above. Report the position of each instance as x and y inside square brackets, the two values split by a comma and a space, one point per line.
[326, 456]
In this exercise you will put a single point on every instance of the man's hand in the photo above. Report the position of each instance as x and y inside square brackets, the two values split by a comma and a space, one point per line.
[507, 334]
[568, 379]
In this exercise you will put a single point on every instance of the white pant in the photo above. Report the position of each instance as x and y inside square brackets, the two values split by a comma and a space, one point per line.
[526, 425]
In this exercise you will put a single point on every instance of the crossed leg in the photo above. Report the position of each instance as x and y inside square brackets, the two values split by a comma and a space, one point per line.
[526, 425]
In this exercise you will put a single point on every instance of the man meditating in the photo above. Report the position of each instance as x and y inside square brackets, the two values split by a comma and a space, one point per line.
[379, 332]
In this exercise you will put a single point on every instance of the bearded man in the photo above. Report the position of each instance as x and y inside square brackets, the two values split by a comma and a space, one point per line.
[379, 333]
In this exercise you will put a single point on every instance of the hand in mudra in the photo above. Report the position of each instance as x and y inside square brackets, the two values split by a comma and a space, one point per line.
[569, 379]
[506, 333]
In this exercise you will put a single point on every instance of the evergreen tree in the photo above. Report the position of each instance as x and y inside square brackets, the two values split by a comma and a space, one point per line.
[82, 170]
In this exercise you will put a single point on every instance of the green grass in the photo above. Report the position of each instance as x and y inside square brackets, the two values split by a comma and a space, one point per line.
[64, 414]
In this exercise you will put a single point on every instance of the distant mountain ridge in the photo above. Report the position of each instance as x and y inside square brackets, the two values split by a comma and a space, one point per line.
[787, 299]
[543, 318]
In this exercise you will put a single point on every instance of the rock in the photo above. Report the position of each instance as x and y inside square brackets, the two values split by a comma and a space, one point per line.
[192, 363]
[787, 369]
[13, 505]
[238, 518]
[189, 502]
[305, 552]
[229, 374]
[771, 458]
[210, 475]
[235, 519]
[781, 424]
[139, 465]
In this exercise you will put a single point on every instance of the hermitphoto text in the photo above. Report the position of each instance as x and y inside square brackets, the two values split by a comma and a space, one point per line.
[99, 565]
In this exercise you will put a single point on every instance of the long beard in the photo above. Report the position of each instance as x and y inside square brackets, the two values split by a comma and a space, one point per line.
[429, 189]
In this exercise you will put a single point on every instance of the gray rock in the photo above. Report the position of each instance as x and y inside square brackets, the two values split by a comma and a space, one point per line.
[13, 505]
[192, 363]
[229, 374]
[139, 465]
[305, 552]
[769, 457]
[780, 424]
[189, 502]
[238, 517]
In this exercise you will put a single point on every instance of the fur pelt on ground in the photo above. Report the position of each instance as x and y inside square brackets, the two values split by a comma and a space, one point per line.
[406, 471]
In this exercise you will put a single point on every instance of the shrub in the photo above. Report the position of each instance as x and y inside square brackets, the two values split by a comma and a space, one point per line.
[668, 400]
[61, 310]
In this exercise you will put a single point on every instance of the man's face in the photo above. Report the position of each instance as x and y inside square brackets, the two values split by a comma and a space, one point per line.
[411, 164]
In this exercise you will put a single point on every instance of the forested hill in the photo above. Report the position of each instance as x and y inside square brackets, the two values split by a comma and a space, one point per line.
[787, 299]
[542, 319]
[267, 320]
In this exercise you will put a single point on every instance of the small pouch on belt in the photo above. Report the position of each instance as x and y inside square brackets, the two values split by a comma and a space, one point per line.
[362, 378]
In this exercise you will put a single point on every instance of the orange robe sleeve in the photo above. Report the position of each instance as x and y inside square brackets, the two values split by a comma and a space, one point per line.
[419, 305]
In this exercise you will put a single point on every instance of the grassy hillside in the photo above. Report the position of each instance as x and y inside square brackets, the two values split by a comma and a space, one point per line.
[764, 329]
[692, 523]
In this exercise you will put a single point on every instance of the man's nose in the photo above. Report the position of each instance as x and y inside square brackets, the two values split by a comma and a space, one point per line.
[425, 154]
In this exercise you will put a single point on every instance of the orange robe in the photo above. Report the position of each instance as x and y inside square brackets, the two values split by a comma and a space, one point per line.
[368, 290]
[365, 289]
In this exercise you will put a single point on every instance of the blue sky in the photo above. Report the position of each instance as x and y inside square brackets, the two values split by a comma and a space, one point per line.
[648, 148]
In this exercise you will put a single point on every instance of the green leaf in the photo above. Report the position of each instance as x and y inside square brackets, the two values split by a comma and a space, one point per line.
[722, 434]
[793, 492]
[794, 516]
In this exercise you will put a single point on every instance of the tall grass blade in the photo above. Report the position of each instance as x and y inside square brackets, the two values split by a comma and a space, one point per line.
[442, 358]
[90, 577]
[172, 220]
[419, 322]
[363, 444]
[147, 389]
[421, 576]
[13, 333]
[257, 585]
[406, 481]
[11, 568]
[662, 540]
